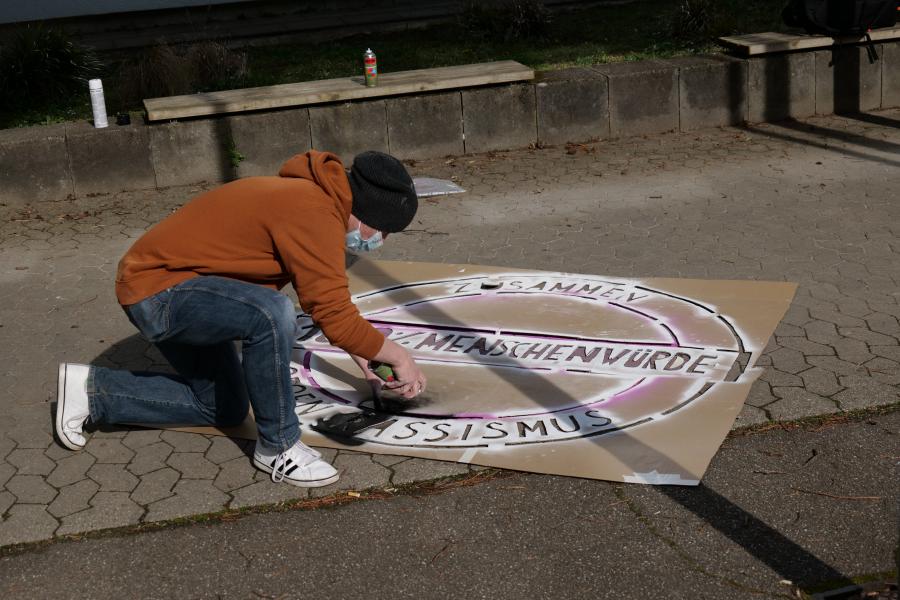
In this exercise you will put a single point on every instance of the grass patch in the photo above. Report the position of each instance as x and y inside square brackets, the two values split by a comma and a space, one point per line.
[885, 578]
[640, 30]
[818, 423]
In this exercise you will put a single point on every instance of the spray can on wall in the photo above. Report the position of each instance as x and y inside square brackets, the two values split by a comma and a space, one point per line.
[98, 104]
[371, 67]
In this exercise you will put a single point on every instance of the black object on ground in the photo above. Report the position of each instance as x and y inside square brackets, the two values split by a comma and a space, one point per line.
[344, 426]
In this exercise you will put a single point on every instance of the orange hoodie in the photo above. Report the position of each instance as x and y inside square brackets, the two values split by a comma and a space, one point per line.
[270, 231]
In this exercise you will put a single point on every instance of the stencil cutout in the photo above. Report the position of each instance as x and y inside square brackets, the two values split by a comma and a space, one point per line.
[635, 380]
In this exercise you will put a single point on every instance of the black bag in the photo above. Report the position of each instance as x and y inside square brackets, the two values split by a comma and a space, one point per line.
[840, 17]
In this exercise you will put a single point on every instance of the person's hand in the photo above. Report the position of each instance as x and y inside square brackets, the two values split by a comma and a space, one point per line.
[410, 380]
[375, 382]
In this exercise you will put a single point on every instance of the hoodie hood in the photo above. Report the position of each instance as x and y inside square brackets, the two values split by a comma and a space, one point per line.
[326, 171]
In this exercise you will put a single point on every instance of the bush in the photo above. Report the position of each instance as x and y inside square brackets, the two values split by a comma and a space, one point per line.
[699, 20]
[506, 19]
[164, 70]
[41, 66]
[214, 65]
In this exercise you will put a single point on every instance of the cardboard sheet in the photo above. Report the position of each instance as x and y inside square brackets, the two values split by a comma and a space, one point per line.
[635, 380]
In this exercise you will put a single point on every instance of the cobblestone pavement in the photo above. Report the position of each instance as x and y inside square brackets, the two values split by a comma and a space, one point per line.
[812, 202]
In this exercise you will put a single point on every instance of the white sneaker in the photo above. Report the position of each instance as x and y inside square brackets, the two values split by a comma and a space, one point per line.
[72, 405]
[299, 465]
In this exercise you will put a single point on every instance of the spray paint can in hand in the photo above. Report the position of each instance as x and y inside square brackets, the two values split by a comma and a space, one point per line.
[98, 104]
[371, 68]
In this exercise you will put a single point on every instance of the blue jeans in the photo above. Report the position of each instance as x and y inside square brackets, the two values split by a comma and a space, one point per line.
[194, 324]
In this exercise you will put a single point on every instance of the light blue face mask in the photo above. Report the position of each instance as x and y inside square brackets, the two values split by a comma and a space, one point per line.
[355, 242]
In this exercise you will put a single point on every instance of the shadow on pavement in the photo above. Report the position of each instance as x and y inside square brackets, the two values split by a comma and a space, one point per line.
[790, 560]
[824, 146]
[875, 119]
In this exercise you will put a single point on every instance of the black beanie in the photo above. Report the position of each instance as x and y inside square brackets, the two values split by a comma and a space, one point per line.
[384, 197]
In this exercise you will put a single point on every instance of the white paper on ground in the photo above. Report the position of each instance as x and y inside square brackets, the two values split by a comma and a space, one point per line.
[428, 186]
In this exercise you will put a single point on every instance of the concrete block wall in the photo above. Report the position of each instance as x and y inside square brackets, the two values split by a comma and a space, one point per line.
[570, 105]
[712, 91]
[643, 97]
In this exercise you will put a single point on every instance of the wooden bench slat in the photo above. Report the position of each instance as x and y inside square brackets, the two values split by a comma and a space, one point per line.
[766, 43]
[335, 90]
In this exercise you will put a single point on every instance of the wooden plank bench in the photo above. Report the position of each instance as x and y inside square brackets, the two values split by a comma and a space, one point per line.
[335, 90]
[755, 44]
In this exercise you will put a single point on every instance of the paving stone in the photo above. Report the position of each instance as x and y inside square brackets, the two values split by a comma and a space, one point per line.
[108, 509]
[150, 458]
[113, 478]
[155, 486]
[328, 454]
[6, 471]
[854, 307]
[865, 391]
[796, 315]
[749, 416]
[883, 366]
[71, 469]
[191, 497]
[821, 382]
[193, 465]
[852, 351]
[420, 469]
[836, 365]
[883, 323]
[113, 433]
[839, 319]
[388, 460]
[887, 378]
[888, 352]
[185, 442]
[358, 472]
[109, 450]
[56, 452]
[140, 438]
[223, 449]
[779, 378]
[32, 436]
[806, 347]
[27, 523]
[266, 492]
[6, 500]
[31, 489]
[6, 446]
[788, 330]
[73, 498]
[797, 403]
[813, 302]
[760, 394]
[788, 360]
[821, 332]
[236, 473]
[770, 347]
[869, 337]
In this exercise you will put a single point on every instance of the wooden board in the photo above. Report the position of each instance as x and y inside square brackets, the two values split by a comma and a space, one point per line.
[335, 90]
[767, 43]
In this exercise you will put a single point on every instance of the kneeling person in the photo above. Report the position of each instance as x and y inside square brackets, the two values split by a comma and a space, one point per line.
[210, 274]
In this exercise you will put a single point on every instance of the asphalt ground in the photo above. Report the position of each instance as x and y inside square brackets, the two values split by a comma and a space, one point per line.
[812, 202]
[791, 509]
